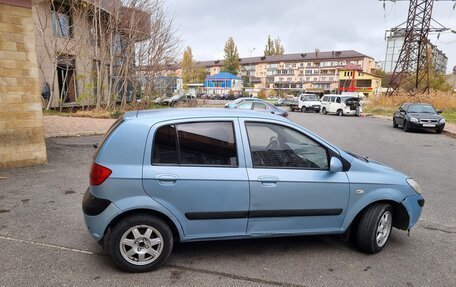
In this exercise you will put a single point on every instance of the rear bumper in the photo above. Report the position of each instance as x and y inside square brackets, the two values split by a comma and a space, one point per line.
[98, 213]
[414, 205]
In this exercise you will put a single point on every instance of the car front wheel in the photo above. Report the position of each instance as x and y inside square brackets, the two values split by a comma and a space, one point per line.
[394, 123]
[374, 228]
[140, 243]
[324, 111]
[340, 113]
[407, 127]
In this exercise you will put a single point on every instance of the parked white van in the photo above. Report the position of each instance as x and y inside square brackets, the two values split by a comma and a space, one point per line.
[341, 105]
[309, 102]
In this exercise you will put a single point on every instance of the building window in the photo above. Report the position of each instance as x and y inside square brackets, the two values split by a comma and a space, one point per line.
[61, 19]
[66, 79]
[363, 83]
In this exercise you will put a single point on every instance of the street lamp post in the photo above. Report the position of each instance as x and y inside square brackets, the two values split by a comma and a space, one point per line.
[250, 67]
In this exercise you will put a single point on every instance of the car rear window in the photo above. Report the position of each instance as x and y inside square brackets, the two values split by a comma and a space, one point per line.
[202, 143]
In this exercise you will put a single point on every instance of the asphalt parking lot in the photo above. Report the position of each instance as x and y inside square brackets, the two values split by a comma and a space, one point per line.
[44, 241]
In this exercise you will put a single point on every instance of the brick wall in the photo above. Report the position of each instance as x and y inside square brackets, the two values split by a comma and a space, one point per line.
[21, 119]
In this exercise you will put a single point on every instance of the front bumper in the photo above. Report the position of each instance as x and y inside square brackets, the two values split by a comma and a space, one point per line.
[98, 213]
[315, 107]
[414, 205]
[423, 126]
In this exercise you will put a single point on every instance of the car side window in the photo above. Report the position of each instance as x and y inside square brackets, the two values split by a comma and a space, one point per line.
[202, 143]
[165, 146]
[276, 146]
[332, 99]
[338, 100]
[245, 106]
[259, 106]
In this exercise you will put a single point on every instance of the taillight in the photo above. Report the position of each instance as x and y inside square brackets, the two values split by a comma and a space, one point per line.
[98, 174]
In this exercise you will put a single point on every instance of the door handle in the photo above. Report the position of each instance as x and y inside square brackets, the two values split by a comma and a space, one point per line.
[167, 179]
[268, 180]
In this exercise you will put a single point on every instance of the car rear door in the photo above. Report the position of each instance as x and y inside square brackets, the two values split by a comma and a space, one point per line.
[291, 187]
[196, 170]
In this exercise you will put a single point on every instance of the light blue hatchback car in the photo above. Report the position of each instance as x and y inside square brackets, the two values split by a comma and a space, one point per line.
[205, 174]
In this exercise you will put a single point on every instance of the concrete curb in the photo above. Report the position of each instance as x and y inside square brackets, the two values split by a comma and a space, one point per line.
[67, 135]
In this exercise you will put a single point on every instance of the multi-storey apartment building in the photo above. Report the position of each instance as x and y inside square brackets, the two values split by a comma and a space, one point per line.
[394, 43]
[313, 72]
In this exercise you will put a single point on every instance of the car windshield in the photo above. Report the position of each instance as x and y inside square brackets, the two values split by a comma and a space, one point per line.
[311, 98]
[428, 109]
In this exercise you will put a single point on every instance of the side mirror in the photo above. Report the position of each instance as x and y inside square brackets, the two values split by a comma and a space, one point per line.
[439, 111]
[335, 165]
[402, 111]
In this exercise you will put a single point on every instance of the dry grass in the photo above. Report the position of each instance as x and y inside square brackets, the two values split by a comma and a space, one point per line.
[100, 114]
[387, 105]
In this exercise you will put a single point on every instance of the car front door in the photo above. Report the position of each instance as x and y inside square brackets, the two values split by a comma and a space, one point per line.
[400, 115]
[197, 171]
[291, 187]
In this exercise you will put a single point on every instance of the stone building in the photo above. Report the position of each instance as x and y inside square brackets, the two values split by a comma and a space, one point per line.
[84, 49]
[21, 120]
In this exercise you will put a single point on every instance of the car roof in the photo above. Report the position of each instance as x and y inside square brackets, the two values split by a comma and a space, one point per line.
[158, 115]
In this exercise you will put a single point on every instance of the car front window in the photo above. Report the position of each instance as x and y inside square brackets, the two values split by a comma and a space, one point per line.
[275, 146]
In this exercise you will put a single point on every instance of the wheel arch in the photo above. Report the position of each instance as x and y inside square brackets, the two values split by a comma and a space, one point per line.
[172, 225]
[400, 214]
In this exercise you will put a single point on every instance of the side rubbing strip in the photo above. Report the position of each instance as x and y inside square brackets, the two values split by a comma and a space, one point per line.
[216, 215]
[294, 212]
[262, 213]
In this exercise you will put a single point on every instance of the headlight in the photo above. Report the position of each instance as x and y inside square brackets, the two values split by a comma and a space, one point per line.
[413, 120]
[442, 121]
[413, 184]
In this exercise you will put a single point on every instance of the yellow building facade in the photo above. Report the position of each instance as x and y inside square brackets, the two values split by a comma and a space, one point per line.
[352, 78]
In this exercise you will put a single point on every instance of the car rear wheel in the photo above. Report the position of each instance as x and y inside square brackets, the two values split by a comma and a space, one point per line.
[340, 113]
[394, 123]
[140, 243]
[324, 111]
[374, 228]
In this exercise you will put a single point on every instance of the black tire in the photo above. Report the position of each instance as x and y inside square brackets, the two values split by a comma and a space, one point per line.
[439, 130]
[324, 111]
[407, 127]
[303, 109]
[318, 111]
[142, 222]
[367, 232]
[340, 113]
[394, 123]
